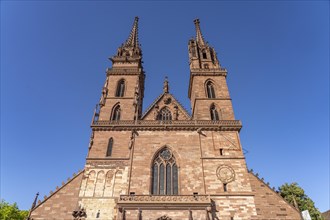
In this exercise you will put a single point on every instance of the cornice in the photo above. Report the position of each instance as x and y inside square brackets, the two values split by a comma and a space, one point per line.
[155, 125]
[124, 71]
[224, 158]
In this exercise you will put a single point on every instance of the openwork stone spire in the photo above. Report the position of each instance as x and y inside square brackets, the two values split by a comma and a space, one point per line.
[131, 47]
[199, 36]
[133, 39]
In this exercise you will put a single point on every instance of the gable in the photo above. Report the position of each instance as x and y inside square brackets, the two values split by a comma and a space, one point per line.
[166, 100]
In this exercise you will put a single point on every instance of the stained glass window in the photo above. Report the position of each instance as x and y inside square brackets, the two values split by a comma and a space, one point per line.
[175, 179]
[168, 179]
[164, 174]
[161, 179]
[155, 179]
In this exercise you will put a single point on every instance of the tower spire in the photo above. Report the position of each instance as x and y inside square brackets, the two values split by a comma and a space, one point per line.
[131, 47]
[133, 40]
[199, 36]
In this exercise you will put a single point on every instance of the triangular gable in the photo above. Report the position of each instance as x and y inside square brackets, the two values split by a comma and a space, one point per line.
[169, 101]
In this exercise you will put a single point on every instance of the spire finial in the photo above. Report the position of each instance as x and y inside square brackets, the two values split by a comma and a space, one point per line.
[166, 87]
[133, 40]
[199, 36]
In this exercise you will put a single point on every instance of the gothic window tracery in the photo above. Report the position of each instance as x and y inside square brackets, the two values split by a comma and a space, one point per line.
[116, 113]
[120, 88]
[164, 115]
[214, 113]
[110, 146]
[210, 90]
[164, 174]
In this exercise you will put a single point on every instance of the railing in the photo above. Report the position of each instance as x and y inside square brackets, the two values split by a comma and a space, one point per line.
[164, 199]
[234, 123]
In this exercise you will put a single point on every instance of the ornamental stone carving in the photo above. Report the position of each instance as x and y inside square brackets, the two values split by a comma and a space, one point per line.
[225, 174]
[164, 217]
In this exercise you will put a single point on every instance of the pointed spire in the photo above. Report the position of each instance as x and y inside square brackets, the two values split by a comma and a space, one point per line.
[133, 40]
[199, 36]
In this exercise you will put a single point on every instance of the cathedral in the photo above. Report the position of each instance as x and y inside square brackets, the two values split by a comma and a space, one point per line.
[164, 163]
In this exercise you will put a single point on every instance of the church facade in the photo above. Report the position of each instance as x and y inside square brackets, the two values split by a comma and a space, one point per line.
[164, 163]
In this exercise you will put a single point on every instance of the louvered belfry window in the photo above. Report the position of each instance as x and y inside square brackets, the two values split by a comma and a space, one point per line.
[164, 174]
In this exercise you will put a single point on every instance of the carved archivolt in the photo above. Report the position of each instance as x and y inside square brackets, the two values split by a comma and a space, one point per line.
[225, 174]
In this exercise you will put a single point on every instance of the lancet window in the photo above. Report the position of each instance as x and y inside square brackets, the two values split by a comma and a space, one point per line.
[164, 174]
[116, 113]
[214, 113]
[210, 90]
[164, 114]
[120, 88]
[109, 149]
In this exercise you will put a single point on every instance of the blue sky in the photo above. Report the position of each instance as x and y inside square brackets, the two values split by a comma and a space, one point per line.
[53, 60]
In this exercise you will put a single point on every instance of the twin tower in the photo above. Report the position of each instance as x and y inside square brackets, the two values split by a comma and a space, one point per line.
[164, 163]
[123, 92]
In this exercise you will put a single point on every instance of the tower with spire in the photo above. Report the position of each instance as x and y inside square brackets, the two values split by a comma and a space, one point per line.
[164, 163]
[208, 90]
[124, 84]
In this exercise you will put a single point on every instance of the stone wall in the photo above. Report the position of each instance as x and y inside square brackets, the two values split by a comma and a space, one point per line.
[61, 203]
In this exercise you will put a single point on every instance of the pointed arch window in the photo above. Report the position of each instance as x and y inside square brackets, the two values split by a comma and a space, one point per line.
[164, 174]
[116, 113]
[120, 88]
[165, 115]
[210, 90]
[204, 54]
[214, 113]
[109, 149]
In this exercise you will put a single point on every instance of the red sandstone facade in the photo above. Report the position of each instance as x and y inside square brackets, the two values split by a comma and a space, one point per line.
[165, 163]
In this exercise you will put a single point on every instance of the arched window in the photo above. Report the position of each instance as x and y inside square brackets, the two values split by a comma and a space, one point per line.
[164, 115]
[210, 90]
[214, 113]
[110, 145]
[120, 88]
[164, 174]
[204, 54]
[116, 113]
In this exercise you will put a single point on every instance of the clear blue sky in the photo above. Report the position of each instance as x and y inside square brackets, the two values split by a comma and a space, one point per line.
[53, 60]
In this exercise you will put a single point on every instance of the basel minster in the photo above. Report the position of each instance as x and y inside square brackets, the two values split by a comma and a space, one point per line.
[163, 162]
